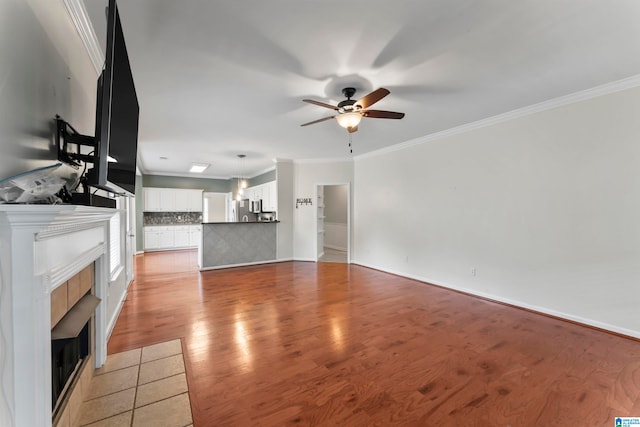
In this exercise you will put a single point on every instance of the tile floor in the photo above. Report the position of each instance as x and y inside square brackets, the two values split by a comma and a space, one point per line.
[142, 387]
[333, 255]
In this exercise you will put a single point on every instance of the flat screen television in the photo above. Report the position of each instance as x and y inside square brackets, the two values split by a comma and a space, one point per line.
[117, 113]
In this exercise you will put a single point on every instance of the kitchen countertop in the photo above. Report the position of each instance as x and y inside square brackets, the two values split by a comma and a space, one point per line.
[172, 225]
[242, 222]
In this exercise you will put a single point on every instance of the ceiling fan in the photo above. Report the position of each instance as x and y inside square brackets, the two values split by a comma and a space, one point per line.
[350, 111]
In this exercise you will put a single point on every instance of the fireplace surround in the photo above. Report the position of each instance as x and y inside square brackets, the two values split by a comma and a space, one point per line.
[41, 247]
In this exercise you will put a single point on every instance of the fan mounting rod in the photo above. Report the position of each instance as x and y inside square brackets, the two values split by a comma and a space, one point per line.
[349, 92]
[347, 105]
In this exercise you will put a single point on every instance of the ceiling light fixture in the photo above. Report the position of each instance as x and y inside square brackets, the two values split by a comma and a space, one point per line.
[198, 167]
[349, 120]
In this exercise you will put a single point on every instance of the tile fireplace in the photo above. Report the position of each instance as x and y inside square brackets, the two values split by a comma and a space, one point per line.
[41, 248]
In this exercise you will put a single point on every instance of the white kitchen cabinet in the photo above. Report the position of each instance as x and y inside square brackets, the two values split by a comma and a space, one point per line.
[172, 200]
[181, 200]
[195, 235]
[194, 200]
[181, 237]
[257, 193]
[268, 193]
[151, 238]
[248, 193]
[152, 201]
[167, 200]
[172, 237]
[167, 238]
[270, 202]
[158, 238]
[159, 199]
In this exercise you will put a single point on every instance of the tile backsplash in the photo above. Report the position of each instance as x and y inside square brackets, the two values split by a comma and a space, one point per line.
[169, 218]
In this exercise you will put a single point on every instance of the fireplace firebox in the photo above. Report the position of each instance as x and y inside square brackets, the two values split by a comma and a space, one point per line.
[67, 356]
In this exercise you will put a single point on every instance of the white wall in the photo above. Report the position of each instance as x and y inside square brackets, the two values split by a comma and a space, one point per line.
[335, 235]
[284, 183]
[335, 201]
[307, 176]
[215, 207]
[336, 211]
[44, 71]
[545, 208]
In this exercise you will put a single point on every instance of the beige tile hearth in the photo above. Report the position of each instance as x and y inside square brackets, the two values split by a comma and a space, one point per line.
[107, 406]
[120, 420]
[120, 360]
[112, 382]
[161, 368]
[174, 411]
[162, 350]
[141, 387]
[161, 389]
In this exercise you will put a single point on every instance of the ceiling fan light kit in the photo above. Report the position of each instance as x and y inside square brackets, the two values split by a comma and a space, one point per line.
[349, 120]
[350, 111]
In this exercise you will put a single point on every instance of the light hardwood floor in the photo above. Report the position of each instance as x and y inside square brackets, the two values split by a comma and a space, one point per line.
[301, 343]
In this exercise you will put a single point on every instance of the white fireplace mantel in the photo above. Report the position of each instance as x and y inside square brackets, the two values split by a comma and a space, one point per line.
[42, 246]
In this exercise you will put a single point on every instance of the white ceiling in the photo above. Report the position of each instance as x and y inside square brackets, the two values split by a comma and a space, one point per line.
[218, 78]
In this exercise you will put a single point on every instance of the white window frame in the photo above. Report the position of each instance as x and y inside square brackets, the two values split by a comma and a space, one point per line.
[115, 243]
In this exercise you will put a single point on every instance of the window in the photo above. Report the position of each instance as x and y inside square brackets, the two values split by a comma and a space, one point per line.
[115, 242]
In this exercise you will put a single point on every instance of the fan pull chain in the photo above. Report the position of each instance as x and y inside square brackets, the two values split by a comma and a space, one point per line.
[350, 148]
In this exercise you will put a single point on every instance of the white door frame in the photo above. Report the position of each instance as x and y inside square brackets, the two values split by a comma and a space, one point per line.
[325, 184]
[130, 238]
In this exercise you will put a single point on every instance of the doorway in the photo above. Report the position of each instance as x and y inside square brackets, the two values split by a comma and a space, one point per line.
[333, 223]
[214, 206]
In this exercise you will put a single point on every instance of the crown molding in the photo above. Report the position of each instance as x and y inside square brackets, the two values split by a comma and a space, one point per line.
[81, 21]
[263, 171]
[605, 89]
[325, 160]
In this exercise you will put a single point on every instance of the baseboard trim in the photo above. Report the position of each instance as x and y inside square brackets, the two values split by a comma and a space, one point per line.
[246, 264]
[114, 318]
[589, 323]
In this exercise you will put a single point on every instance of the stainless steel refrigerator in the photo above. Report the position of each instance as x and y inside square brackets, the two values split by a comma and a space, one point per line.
[240, 211]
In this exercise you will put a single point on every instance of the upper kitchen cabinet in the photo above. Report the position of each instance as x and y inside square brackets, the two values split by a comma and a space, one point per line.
[189, 200]
[248, 193]
[159, 200]
[271, 197]
[172, 200]
[268, 193]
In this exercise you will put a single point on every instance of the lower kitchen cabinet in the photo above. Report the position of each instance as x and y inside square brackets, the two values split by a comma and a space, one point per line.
[195, 235]
[151, 238]
[171, 237]
[181, 237]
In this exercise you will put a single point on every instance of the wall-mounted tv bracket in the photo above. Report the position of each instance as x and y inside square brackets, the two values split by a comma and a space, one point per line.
[70, 142]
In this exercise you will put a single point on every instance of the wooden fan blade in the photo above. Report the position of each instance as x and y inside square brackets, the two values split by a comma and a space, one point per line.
[352, 129]
[373, 97]
[379, 114]
[321, 104]
[318, 121]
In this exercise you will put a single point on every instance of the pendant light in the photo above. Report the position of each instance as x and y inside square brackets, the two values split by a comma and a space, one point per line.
[242, 184]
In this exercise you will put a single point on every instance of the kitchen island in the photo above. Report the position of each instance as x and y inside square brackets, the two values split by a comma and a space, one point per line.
[230, 244]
